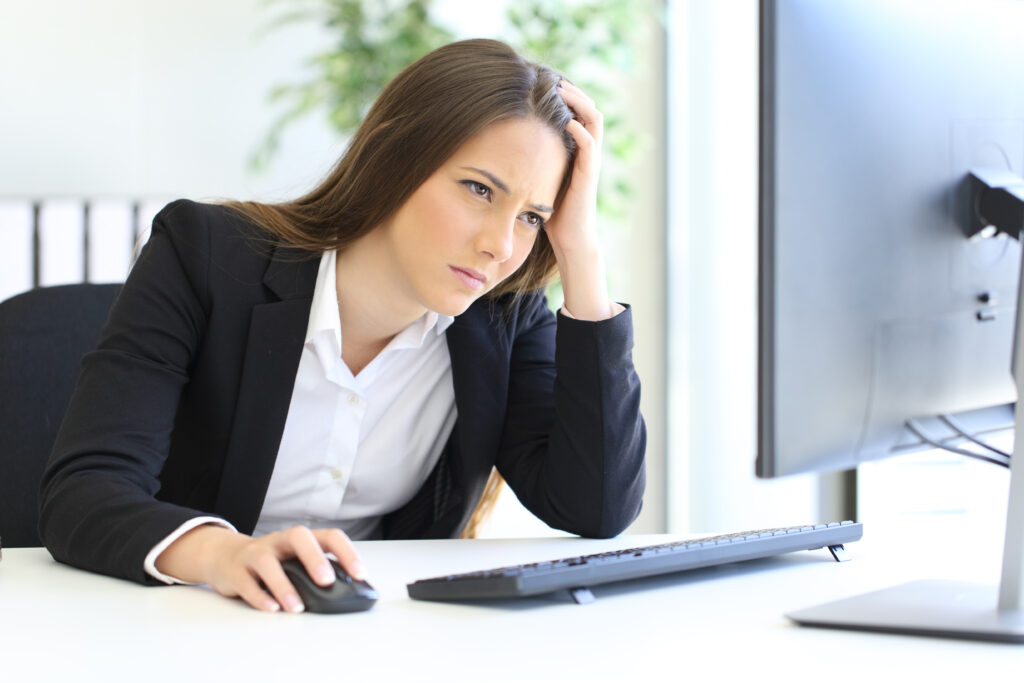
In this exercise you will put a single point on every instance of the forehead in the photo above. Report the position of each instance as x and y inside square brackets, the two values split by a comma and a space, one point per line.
[525, 154]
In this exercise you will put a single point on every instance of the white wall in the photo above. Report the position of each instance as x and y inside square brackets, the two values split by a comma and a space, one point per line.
[165, 99]
[713, 89]
[643, 271]
[119, 97]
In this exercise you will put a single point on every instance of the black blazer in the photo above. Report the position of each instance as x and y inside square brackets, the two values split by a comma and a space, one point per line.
[179, 410]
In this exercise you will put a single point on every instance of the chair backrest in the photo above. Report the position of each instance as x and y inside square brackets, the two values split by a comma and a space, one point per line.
[43, 335]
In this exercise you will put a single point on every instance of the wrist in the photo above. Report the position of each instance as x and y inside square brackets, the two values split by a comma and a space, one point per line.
[191, 557]
[585, 248]
[584, 285]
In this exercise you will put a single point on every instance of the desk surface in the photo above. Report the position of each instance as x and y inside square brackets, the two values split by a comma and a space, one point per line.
[59, 623]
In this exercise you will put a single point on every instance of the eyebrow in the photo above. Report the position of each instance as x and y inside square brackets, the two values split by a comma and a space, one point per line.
[504, 188]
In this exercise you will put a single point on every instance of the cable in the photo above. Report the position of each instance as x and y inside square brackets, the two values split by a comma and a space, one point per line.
[959, 429]
[953, 449]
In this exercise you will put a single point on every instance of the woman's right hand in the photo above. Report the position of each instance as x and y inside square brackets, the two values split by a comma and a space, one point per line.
[236, 565]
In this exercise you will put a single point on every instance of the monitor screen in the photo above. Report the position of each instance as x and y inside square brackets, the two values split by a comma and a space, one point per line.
[875, 306]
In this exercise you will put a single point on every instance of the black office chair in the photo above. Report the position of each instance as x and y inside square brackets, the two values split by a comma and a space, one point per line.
[43, 335]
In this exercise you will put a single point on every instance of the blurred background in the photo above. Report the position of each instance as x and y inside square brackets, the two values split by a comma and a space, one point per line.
[111, 108]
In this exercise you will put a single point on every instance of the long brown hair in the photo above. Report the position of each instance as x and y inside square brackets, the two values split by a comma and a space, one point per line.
[420, 119]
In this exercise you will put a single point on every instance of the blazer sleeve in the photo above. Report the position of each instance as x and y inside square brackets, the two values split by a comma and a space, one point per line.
[98, 508]
[573, 442]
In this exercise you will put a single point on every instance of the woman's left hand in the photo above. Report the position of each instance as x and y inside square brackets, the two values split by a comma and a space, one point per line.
[572, 231]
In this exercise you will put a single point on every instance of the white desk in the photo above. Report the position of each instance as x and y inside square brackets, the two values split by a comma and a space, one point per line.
[727, 624]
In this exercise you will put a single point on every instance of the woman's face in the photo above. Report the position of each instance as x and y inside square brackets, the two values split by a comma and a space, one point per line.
[473, 222]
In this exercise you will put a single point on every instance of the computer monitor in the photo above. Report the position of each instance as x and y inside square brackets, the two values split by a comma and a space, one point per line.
[885, 299]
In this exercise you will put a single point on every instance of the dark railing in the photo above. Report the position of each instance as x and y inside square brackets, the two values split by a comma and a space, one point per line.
[139, 214]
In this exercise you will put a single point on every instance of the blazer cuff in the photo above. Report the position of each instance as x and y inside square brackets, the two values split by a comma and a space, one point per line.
[150, 562]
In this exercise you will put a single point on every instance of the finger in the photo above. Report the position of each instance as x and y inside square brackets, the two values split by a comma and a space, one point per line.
[250, 590]
[268, 569]
[335, 541]
[582, 106]
[585, 109]
[302, 543]
[572, 87]
[579, 132]
[586, 160]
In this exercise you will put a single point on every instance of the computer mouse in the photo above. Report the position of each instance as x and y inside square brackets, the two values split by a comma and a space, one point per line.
[344, 595]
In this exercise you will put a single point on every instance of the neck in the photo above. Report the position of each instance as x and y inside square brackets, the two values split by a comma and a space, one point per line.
[371, 304]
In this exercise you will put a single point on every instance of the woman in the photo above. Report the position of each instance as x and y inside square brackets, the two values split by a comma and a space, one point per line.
[275, 380]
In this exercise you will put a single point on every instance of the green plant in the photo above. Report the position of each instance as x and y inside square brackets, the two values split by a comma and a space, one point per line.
[375, 39]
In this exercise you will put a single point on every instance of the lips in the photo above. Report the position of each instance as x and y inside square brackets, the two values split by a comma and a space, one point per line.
[469, 277]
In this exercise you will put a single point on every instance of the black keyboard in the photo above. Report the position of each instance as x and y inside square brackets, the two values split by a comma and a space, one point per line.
[577, 573]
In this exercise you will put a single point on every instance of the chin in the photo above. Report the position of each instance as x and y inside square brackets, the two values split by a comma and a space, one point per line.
[452, 305]
[452, 309]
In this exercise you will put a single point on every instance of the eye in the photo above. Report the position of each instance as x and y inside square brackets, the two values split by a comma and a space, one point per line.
[533, 220]
[477, 188]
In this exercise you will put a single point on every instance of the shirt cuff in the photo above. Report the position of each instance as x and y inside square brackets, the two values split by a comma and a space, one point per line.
[150, 562]
[615, 307]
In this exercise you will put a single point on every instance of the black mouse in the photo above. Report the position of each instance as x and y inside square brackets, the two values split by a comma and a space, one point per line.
[344, 595]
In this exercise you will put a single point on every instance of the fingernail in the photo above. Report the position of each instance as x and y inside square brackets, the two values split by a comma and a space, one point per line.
[271, 606]
[325, 575]
[293, 604]
[358, 571]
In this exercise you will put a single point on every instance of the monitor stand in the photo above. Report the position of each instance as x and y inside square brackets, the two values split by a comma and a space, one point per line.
[953, 609]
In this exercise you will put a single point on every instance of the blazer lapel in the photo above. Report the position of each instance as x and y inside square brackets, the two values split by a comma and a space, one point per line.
[480, 376]
[277, 331]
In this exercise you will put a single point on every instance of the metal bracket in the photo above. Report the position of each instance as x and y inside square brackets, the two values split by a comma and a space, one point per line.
[581, 595]
[839, 552]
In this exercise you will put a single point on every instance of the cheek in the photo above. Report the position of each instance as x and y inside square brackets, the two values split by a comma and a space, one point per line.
[524, 245]
[444, 224]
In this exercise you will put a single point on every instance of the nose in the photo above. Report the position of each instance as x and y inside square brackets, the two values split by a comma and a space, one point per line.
[496, 239]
